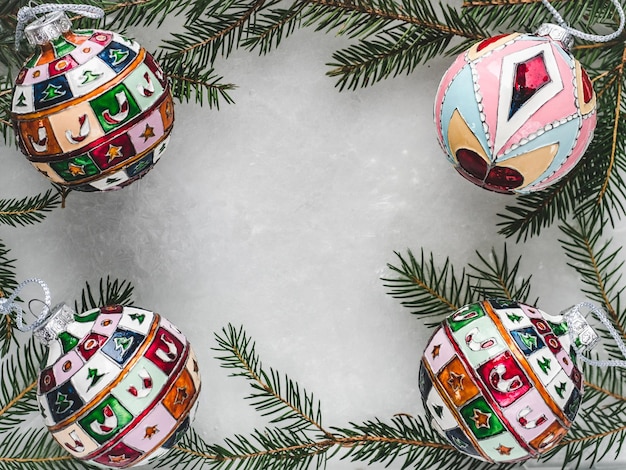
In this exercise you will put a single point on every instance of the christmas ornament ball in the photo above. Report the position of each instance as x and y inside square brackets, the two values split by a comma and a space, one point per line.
[119, 386]
[498, 380]
[516, 112]
[91, 109]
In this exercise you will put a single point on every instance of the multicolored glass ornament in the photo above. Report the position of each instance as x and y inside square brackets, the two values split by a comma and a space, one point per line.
[119, 386]
[499, 379]
[91, 109]
[516, 112]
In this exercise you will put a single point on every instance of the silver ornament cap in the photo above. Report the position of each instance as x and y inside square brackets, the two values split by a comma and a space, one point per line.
[47, 28]
[60, 316]
[583, 335]
[556, 33]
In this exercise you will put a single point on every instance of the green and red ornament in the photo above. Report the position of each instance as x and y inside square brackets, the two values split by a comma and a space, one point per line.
[119, 385]
[499, 379]
[92, 110]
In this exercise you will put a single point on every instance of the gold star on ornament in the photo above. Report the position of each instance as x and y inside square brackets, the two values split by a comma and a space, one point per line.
[76, 170]
[435, 351]
[118, 458]
[151, 431]
[456, 381]
[149, 132]
[181, 395]
[504, 450]
[481, 419]
[114, 152]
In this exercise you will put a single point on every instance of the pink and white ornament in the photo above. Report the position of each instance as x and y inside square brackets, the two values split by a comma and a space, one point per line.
[516, 112]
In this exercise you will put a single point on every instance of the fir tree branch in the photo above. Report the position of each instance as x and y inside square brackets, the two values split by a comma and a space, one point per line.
[272, 24]
[535, 211]
[8, 283]
[141, 12]
[618, 109]
[110, 292]
[294, 408]
[203, 86]
[428, 290]
[28, 210]
[495, 3]
[412, 12]
[605, 391]
[350, 442]
[223, 32]
[18, 373]
[598, 265]
[495, 278]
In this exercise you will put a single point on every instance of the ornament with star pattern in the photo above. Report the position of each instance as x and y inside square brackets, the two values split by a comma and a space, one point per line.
[92, 110]
[516, 112]
[119, 386]
[499, 380]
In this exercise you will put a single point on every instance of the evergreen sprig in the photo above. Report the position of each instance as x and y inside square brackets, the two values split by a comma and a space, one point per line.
[495, 277]
[18, 386]
[110, 292]
[393, 38]
[599, 265]
[410, 439]
[280, 398]
[432, 290]
[8, 283]
[131, 13]
[28, 210]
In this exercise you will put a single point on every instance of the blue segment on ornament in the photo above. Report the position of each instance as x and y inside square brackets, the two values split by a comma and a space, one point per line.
[176, 435]
[461, 96]
[117, 56]
[64, 402]
[460, 440]
[425, 382]
[121, 345]
[51, 92]
[528, 340]
[141, 165]
[572, 405]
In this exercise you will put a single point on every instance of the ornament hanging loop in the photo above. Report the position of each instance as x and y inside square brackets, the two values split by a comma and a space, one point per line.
[27, 14]
[8, 305]
[585, 36]
[583, 337]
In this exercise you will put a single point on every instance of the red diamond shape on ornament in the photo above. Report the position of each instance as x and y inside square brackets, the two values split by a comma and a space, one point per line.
[529, 79]
[530, 76]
